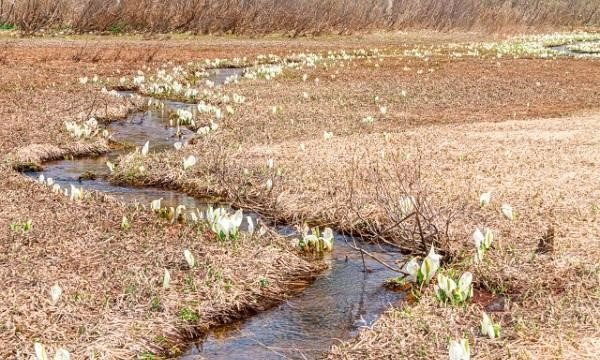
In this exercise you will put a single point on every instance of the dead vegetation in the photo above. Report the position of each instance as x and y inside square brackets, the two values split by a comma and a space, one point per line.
[464, 128]
[306, 17]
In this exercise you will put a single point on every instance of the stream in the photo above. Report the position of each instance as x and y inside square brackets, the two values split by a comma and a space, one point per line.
[345, 297]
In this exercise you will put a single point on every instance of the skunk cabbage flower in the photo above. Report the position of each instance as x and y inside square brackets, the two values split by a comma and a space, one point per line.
[485, 198]
[383, 110]
[327, 239]
[41, 179]
[412, 268]
[487, 239]
[250, 225]
[448, 291]
[459, 350]
[179, 213]
[269, 184]
[478, 238]
[446, 284]
[189, 162]
[189, 258]
[482, 242]
[406, 205]
[262, 230]
[270, 163]
[62, 354]
[56, 188]
[507, 211]
[76, 194]
[488, 328]
[55, 293]
[465, 286]
[110, 166]
[145, 148]
[125, 223]
[431, 264]
[155, 205]
[178, 145]
[40, 352]
[368, 120]
[167, 279]
[327, 135]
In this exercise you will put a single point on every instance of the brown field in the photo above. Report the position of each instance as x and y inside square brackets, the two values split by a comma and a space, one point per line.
[527, 129]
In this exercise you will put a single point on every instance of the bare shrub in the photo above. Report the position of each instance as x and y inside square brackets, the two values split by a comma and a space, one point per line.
[390, 202]
[294, 17]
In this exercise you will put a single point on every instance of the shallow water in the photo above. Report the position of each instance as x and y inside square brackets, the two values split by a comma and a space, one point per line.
[564, 49]
[333, 308]
[341, 300]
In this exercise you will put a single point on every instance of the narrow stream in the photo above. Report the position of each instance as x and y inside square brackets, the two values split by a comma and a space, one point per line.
[344, 298]
[567, 51]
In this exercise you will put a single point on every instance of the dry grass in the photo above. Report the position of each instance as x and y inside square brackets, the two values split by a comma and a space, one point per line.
[295, 18]
[475, 124]
[113, 305]
[543, 167]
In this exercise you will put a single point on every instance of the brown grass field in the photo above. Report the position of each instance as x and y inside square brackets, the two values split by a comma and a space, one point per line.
[525, 128]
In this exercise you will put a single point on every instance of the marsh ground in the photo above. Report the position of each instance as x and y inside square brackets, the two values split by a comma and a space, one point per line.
[525, 128]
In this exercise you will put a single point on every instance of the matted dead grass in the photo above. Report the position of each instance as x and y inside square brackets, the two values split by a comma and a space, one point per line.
[113, 305]
[466, 121]
[544, 168]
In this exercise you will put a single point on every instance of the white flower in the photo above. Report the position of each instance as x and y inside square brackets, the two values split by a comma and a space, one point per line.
[270, 163]
[459, 350]
[83, 80]
[55, 293]
[189, 162]
[485, 198]
[431, 264]
[487, 239]
[250, 225]
[167, 279]
[448, 291]
[446, 284]
[76, 193]
[189, 258]
[304, 77]
[465, 286]
[478, 237]
[205, 130]
[368, 120]
[62, 354]
[507, 211]
[178, 145]
[327, 239]
[125, 223]
[327, 135]
[49, 182]
[41, 179]
[412, 268]
[406, 205]
[269, 184]
[110, 166]
[40, 352]
[488, 328]
[155, 204]
[482, 242]
[145, 148]
[383, 110]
